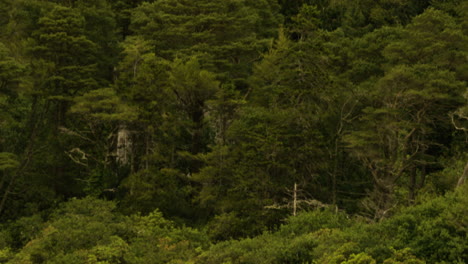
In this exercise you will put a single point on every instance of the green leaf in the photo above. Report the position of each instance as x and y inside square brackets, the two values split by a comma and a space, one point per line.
[8, 161]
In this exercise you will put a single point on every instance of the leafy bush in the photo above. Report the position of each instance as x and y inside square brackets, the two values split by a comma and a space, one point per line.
[89, 231]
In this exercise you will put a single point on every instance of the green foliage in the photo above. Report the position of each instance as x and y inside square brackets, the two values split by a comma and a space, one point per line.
[8, 161]
[361, 258]
[88, 231]
[166, 189]
[433, 37]
[397, 240]
[158, 241]
[4, 7]
[435, 230]
[229, 34]
[23, 230]
[10, 72]
[192, 87]
[403, 256]
[5, 255]
[225, 115]
[310, 222]
[190, 83]
[446, 180]
[61, 32]
[12, 86]
[104, 105]
[293, 243]
[402, 126]
[78, 225]
[306, 21]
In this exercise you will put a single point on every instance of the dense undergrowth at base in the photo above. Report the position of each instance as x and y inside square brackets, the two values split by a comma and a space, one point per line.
[89, 230]
[189, 131]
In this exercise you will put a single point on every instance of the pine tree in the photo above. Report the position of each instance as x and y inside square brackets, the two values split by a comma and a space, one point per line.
[229, 35]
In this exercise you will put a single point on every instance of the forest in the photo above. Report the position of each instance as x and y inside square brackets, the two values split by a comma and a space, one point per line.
[233, 131]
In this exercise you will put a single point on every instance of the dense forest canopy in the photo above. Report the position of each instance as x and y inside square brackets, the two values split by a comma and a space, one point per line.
[233, 131]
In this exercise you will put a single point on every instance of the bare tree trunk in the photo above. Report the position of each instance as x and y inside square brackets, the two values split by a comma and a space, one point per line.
[2, 182]
[147, 140]
[412, 185]
[124, 146]
[335, 172]
[7, 192]
[295, 200]
[462, 179]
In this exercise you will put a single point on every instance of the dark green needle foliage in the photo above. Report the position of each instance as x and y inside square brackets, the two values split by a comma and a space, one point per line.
[230, 35]
[233, 131]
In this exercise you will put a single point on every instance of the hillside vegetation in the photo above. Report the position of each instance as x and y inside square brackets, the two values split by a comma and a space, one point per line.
[233, 131]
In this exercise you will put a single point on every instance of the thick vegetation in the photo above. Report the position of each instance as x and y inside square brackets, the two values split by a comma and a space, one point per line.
[233, 131]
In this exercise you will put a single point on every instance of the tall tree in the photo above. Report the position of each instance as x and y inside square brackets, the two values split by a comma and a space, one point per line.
[64, 65]
[272, 143]
[229, 34]
[12, 105]
[397, 133]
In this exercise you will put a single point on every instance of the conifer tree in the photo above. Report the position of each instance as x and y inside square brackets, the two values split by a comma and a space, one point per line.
[229, 35]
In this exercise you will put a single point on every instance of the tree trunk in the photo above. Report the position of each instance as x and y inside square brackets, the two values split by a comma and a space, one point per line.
[412, 185]
[124, 146]
[7, 192]
[462, 179]
[295, 200]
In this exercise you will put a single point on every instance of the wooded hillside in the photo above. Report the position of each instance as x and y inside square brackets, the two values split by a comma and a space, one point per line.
[233, 131]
